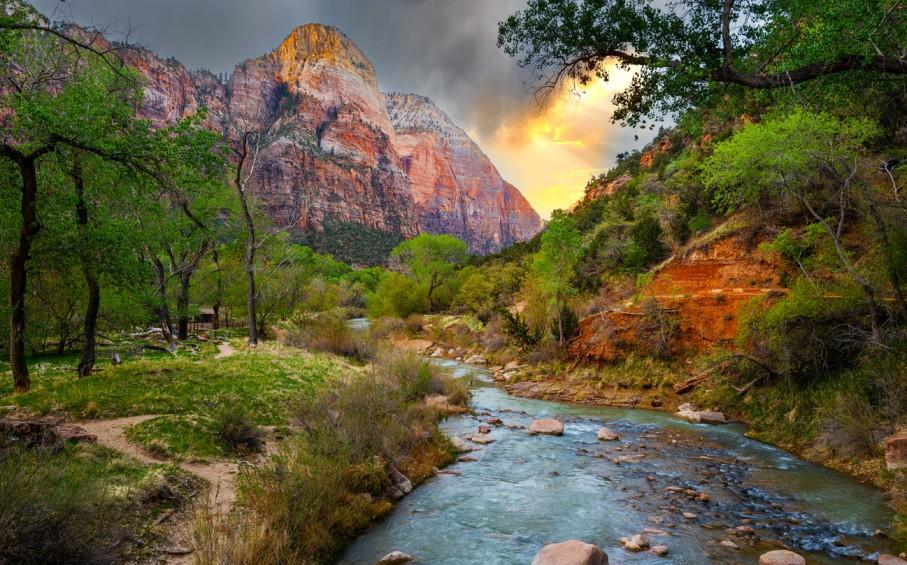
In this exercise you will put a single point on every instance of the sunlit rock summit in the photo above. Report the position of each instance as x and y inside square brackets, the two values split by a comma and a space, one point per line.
[338, 152]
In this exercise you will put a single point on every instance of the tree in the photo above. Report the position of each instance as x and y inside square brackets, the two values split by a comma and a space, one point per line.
[555, 264]
[51, 99]
[812, 158]
[682, 49]
[431, 260]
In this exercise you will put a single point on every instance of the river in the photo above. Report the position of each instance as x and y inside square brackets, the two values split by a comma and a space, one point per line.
[524, 491]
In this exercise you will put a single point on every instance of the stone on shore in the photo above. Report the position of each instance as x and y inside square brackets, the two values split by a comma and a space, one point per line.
[702, 416]
[395, 558]
[604, 434]
[476, 360]
[546, 426]
[886, 559]
[781, 557]
[896, 451]
[572, 552]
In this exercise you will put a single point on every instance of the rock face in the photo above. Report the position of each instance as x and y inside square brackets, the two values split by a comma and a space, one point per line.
[456, 188]
[573, 552]
[330, 153]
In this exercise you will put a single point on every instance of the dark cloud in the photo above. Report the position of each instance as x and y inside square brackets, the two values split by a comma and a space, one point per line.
[445, 49]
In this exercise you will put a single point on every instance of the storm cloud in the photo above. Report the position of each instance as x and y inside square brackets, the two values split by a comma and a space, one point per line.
[445, 49]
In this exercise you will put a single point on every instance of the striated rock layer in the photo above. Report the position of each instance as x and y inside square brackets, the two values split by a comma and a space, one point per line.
[332, 153]
[456, 188]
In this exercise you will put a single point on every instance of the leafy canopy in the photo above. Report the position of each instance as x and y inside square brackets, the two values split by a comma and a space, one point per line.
[754, 162]
[683, 49]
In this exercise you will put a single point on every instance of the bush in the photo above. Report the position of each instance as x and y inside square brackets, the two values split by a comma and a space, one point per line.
[570, 322]
[328, 332]
[237, 432]
[519, 331]
[398, 295]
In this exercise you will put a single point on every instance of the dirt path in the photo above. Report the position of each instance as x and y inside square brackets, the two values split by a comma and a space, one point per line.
[224, 350]
[220, 474]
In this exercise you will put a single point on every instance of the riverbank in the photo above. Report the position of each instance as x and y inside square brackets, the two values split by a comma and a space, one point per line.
[788, 418]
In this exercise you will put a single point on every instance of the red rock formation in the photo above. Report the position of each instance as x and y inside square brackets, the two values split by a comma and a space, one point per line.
[330, 147]
[703, 289]
[456, 188]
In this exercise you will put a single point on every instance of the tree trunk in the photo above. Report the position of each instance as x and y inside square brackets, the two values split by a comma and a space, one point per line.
[162, 309]
[18, 274]
[215, 324]
[182, 304]
[250, 293]
[891, 265]
[89, 348]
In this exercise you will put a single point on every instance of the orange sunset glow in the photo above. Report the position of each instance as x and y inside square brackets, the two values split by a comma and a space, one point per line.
[552, 152]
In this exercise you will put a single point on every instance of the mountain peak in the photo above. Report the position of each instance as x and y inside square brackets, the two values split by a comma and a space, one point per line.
[314, 42]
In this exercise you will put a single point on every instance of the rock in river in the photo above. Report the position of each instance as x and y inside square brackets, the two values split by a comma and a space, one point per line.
[395, 558]
[781, 557]
[547, 426]
[604, 434]
[573, 552]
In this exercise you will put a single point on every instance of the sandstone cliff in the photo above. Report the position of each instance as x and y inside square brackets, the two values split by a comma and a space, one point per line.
[456, 188]
[331, 153]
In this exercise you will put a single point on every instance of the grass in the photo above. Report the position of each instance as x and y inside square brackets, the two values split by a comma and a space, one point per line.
[179, 436]
[79, 504]
[266, 381]
[333, 478]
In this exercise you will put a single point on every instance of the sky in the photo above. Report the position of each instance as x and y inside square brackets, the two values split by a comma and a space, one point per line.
[445, 49]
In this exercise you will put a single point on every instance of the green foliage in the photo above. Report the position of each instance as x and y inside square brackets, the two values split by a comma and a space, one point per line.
[477, 294]
[568, 320]
[236, 430]
[397, 295]
[517, 329]
[680, 59]
[351, 243]
[431, 260]
[760, 159]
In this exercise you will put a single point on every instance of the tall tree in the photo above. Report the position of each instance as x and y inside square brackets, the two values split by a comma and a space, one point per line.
[555, 263]
[431, 259]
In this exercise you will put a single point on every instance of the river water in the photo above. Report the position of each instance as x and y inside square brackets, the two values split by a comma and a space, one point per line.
[524, 491]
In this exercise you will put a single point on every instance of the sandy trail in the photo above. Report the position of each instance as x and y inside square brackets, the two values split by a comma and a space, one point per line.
[224, 350]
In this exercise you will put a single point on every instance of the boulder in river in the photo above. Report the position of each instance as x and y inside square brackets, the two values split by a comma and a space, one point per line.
[546, 426]
[781, 557]
[402, 485]
[896, 451]
[476, 360]
[659, 550]
[604, 434]
[481, 439]
[395, 558]
[572, 552]
[638, 542]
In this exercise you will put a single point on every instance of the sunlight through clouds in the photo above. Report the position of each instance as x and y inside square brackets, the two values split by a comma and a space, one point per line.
[551, 153]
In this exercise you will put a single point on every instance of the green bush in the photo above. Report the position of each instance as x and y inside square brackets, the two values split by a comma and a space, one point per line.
[519, 331]
[237, 431]
[398, 295]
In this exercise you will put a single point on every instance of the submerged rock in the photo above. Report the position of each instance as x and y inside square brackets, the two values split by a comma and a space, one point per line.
[546, 426]
[572, 552]
[781, 557]
[394, 558]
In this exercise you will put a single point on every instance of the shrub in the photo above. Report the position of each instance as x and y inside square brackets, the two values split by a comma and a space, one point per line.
[570, 322]
[329, 332]
[237, 432]
[519, 331]
[398, 295]
[658, 330]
